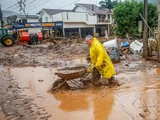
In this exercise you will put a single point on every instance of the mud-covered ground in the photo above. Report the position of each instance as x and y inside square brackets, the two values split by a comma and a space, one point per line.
[26, 75]
[41, 55]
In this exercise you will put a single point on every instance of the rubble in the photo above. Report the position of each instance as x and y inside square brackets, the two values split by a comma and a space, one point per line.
[39, 55]
[136, 46]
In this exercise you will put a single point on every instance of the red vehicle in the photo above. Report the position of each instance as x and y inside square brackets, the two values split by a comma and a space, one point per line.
[24, 36]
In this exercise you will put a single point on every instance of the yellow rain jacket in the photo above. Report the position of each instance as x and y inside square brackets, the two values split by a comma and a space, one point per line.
[101, 60]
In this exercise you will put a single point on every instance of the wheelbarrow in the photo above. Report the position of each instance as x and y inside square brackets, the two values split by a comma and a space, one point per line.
[68, 74]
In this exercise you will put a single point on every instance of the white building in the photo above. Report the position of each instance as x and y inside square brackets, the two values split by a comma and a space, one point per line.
[29, 19]
[82, 20]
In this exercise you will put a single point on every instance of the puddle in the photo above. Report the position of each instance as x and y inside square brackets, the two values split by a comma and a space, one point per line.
[117, 103]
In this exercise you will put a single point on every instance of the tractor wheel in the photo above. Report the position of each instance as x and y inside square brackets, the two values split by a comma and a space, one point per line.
[58, 84]
[8, 41]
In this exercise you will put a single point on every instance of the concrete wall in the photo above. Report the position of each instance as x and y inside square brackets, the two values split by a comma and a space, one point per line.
[44, 16]
[92, 19]
[74, 17]
[77, 25]
[79, 17]
[57, 17]
[32, 20]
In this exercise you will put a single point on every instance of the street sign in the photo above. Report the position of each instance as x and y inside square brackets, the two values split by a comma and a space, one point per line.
[36, 25]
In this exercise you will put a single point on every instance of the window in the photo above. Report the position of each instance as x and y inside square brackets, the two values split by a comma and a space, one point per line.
[101, 18]
[109, 18]
[46, 19]
[24, 20]
[5, 32]
[98, 18]
[18, 21]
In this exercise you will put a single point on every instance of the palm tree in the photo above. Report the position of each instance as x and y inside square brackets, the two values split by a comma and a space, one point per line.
[108, 4]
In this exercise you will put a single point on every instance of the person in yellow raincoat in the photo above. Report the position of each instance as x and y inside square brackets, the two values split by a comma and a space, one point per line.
[99, 58]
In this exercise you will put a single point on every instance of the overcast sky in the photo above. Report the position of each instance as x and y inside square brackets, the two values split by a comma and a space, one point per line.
[33, 6]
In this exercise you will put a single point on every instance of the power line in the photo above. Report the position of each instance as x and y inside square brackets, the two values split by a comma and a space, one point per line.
[68, 4]
[7, 3]
[11, 6]
[17, 6]
[38, 5]
[58, 8]
[31, 2]
[22, 5]
[34, 4]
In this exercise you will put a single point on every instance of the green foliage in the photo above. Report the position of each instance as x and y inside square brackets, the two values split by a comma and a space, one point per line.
[152, 14]
[108, 4]
[126, 15]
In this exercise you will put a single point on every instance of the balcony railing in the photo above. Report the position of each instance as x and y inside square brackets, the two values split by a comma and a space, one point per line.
[103, 20]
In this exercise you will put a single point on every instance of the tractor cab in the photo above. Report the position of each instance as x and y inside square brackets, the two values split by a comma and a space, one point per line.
[3, 32]
[5, 38]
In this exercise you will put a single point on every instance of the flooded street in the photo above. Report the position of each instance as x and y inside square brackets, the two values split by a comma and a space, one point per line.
[27, 75]
[137, 99]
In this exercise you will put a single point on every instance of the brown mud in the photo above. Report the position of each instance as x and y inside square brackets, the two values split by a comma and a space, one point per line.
[137, 98]
[24, 89]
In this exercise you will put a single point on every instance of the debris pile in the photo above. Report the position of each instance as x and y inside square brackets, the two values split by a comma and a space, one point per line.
[118, 49]
[40, 55]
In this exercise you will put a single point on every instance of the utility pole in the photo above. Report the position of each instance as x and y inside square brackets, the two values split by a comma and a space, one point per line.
[1, 17]
[22, 6]
[145, 32]
[159, 29]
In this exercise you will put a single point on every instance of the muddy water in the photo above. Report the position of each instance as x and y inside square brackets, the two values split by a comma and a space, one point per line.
[137, 98]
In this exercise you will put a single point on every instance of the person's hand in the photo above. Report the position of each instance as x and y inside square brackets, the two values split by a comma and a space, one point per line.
[90, 69]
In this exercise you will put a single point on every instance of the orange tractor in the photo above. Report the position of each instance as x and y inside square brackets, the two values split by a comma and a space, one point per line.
[23, 36]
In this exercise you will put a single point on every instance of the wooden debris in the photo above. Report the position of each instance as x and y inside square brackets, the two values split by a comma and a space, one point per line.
[141, 115]
[145, 110]
[153, 59]
[25, 45]
[35, 46]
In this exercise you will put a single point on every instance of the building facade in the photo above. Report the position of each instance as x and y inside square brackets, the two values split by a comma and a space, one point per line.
[22, 19]
[84, 19]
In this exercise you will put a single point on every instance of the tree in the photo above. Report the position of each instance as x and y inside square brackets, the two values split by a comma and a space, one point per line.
[152, 14]
[126, 16]
[108, 4]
